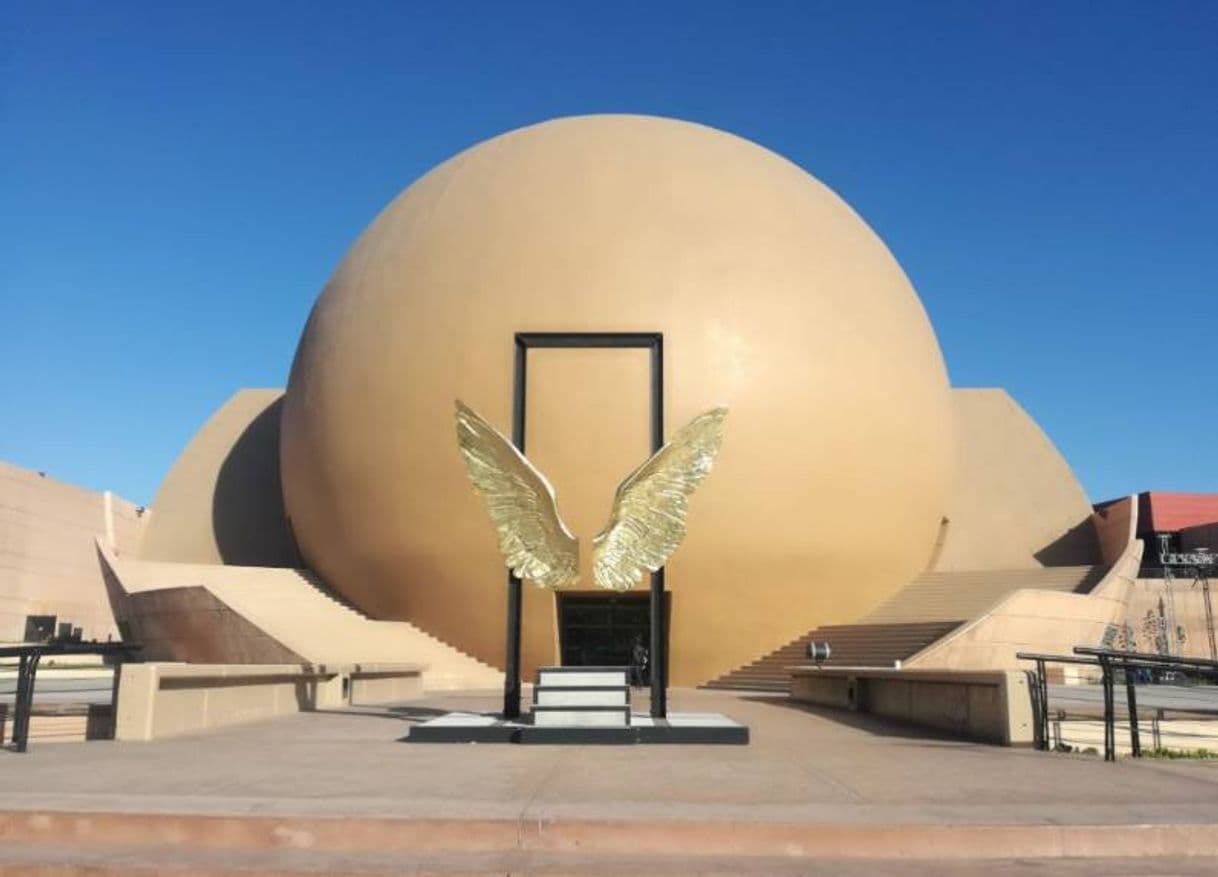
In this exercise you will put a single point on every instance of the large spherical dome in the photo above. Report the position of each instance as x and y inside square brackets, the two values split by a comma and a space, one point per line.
[774, 298]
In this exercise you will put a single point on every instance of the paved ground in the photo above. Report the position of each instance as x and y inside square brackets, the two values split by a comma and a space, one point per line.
[1184, 698]
[822, 775]
[801, 766]
[97, 687]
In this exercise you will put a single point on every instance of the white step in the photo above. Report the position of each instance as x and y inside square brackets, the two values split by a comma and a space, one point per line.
[598, 696]
[583, 677]
[581, 717]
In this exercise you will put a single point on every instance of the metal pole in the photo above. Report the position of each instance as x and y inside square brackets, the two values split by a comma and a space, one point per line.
[26, 673]
[511, 661]
[1042, 691]
[659, 639]
[1132, 705]
[659, 691]
[18, 699]
[511, 664]
[1109, 713]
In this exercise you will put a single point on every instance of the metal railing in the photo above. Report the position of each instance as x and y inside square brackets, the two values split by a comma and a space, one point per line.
[28, 657]
[1111, 662]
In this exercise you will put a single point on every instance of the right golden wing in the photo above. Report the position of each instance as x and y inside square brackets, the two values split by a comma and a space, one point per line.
[523, 507]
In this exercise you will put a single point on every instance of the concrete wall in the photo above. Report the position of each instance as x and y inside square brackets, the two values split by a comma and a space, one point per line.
[1170, 623]
[221, 502]
[1039, 621]
[1201, 536]
[218, 614]
[157, 700]
[48, 562]
[1115, 527]
[994, 707]
[1014, 501]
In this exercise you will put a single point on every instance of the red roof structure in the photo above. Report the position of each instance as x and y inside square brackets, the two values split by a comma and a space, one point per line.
[1162, 512]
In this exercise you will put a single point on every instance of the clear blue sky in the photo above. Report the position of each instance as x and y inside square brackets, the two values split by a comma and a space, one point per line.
[178, 180]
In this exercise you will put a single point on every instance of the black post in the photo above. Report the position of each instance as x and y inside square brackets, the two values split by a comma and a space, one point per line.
[18, 700]
[26, 672]
[659, 638]
[511, 663]
[1131, 696]
[659, 687]
[1109, 713]
[1042, 695]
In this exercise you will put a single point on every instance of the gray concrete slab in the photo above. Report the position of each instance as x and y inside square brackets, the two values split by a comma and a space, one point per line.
[58, 689]
[803, 765]
[1183, 698]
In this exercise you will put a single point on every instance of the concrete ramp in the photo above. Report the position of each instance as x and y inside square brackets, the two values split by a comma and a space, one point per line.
[238, 614]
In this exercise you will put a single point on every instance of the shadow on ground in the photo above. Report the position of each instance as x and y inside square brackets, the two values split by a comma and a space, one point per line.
[880, 727]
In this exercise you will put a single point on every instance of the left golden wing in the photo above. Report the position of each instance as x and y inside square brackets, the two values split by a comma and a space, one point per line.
[649, 509]
[535, 542]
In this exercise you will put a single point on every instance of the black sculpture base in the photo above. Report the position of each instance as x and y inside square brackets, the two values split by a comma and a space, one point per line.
[700, 728]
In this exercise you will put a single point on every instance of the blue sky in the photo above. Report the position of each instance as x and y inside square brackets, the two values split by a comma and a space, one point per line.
[177, 181]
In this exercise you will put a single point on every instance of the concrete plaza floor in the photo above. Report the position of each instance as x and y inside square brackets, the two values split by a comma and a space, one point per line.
[842, 775]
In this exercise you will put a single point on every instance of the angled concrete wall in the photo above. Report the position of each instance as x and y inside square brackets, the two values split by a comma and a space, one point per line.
[1041, 621]
[48, 563]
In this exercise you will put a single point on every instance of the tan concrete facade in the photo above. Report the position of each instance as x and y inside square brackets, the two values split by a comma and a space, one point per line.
[159, 700]
[774, 298]
[992, 706]
[1015, 502]
[1043, 621]
[48, 559]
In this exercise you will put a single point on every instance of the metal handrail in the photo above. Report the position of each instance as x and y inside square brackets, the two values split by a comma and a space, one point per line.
[28, 656]
[1109, 661]
[1145, 659]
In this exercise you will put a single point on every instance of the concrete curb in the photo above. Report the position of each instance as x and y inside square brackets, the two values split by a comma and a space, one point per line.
[98, 831]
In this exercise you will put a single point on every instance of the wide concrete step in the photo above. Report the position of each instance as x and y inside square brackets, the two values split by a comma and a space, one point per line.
[581, 716]
[112, 844]
[584, 677]
[863, 645]
[604, 696]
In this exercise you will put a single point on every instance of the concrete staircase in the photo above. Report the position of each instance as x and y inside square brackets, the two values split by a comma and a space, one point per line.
[853, 645]
[967, 594]
[925, 610]
[292, 608]
[582, 697]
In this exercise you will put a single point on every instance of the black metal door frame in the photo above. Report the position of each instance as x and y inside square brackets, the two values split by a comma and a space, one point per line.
[653, 342]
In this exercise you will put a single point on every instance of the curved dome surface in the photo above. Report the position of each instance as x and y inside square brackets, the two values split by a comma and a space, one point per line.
[774, 298]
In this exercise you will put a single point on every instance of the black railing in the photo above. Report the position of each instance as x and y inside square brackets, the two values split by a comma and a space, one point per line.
[1111, 662]
[28, 657]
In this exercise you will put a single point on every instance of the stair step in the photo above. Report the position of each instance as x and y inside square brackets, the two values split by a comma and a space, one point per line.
[584, 677]
[602, 696]
[581, 716]
[864, 645]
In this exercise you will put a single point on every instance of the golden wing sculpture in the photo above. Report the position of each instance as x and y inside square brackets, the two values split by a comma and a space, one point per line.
[524, 509]
[649, 508]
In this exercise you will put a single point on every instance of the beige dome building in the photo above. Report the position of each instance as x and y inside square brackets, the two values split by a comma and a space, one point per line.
[854, 488]
[772, 297]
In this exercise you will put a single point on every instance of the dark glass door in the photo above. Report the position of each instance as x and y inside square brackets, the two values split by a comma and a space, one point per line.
[600, 630]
